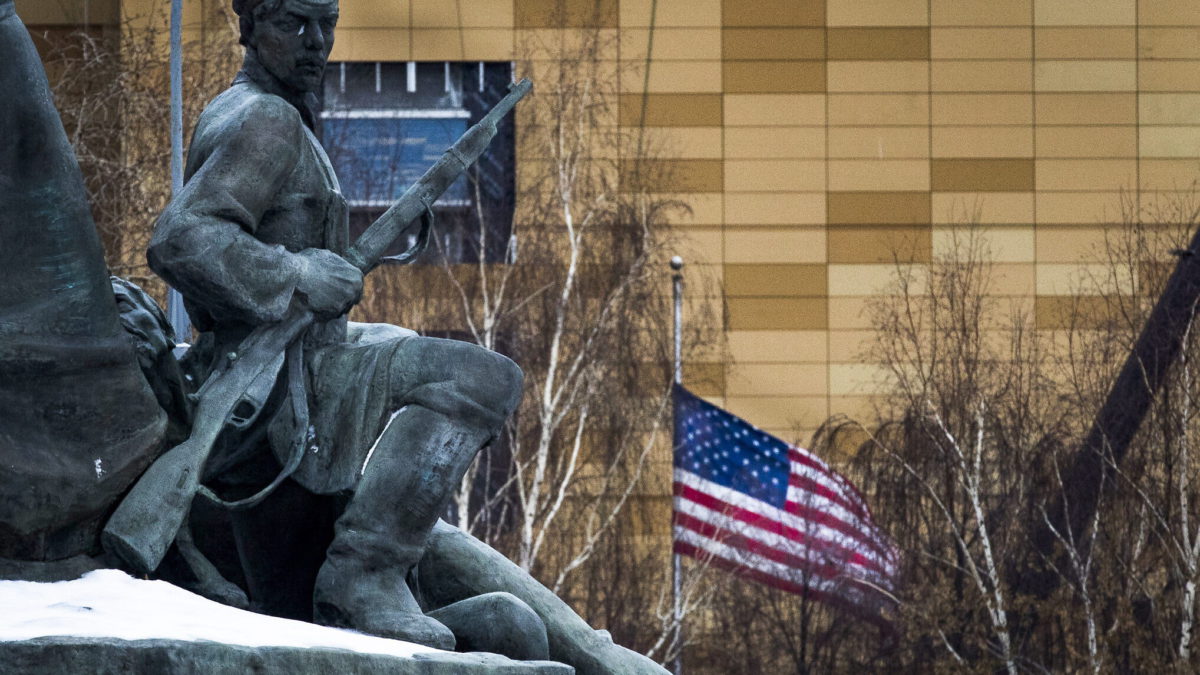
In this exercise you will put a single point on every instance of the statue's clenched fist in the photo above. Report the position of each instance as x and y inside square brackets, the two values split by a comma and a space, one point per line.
[328, 285]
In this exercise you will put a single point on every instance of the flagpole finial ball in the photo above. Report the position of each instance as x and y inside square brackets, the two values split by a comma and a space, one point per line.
[676, 263]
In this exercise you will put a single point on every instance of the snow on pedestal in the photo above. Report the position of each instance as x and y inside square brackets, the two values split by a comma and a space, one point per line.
[111, 604]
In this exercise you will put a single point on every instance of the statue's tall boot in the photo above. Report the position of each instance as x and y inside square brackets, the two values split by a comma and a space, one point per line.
[407, 482]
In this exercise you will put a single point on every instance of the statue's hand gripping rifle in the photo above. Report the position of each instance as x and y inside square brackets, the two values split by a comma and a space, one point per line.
[149, 518]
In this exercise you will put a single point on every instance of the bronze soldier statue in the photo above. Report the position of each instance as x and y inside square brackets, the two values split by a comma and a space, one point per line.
[257, 232]
[395, 417]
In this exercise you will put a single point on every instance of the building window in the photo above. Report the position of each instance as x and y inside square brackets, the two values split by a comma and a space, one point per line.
[384, 124]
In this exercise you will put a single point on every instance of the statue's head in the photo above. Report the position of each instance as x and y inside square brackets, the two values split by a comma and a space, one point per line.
[290, 38]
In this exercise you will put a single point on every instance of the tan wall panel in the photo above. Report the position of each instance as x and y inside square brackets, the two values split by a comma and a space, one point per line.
[861, 408]
[1087, 174]
[46, 13]
[676, 175]
[1078, 208]
[1168, 13]
[778, 379]
[690, 142]
[700, 246]
[851, 345]
[980, 76]
[1087, 141]
[1168, 174]
[1014, 280]
[998, 208]
[884, 208]
[565, 13]
[1086, 108]
[878, 44]
[774, 142]
[758, 44]
[774, 175]
[1059, 313]
[877, 12]
[442, 14]
[1003, 244]
[554, 44]
[851, 311]
[775, 280]
[474, 44]
[1050, 76]
[868, 244]
[672, 76]
[805, 346]
[878, 76]
[706, 209]
[879, 142]
[671, 14]
[1084, 278]
[773, 12]
[774, 209]
[1179, 109]
[671, 110]
[981, 12]
[1069, 244]
[982, 175]
[371, 44]
[672, 44]
[858, 378]
[886, 175]
[1086, 43]
[981, 43]
[1170, 141]
[982, 141]
[382, 14]
[769, 77]
[1085, 12]
[791, 245]
[1169, 75]
[1167, 43]
[777, 313]
[705, 379]
[774, 109]
[882, 109]
[982, 109]
[780, 413]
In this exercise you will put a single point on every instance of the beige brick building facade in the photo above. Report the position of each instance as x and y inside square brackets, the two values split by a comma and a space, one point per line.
[814, 140]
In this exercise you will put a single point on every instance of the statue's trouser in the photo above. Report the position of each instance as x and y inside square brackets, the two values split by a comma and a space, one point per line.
[407, 481]
[78, 422]
[457, 566]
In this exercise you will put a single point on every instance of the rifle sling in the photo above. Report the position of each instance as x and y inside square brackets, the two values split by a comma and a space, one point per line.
[298, 395]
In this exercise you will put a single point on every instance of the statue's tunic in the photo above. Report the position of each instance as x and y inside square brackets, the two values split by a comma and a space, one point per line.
[78, 423]
[259, 188]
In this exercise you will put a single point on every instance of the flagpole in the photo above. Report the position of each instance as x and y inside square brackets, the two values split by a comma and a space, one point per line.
[676, 571]
[176, 314]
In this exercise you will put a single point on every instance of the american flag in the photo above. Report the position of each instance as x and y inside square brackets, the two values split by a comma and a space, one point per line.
[747, 502]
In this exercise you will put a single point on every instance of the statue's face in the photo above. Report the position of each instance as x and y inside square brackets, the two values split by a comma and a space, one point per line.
[293, 42]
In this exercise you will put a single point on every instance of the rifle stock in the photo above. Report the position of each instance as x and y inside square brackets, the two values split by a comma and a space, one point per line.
[149, 517]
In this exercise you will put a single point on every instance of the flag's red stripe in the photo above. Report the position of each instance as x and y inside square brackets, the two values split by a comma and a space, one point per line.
[866, 613]
[836, 523]
[810, 485]
[733, 539]
[772, 525]
[806, 459]
[823, 546]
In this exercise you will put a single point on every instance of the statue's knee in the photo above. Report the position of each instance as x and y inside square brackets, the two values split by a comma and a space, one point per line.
[496, 622]
[492, 380]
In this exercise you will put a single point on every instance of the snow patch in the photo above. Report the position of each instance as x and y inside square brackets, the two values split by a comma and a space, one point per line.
[112, 604]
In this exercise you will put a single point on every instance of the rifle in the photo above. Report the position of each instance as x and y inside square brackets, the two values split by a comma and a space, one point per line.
[150, 516]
